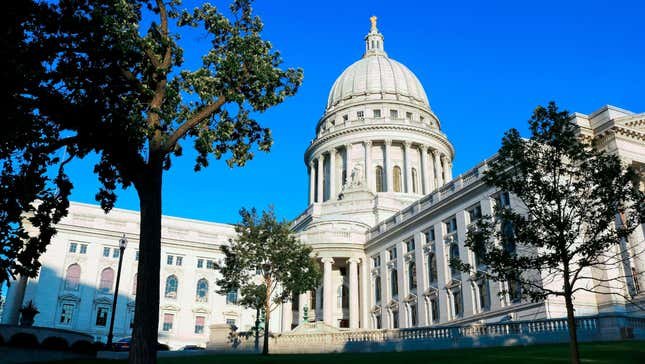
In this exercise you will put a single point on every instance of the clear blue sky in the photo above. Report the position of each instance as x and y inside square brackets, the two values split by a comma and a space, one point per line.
[485, 66]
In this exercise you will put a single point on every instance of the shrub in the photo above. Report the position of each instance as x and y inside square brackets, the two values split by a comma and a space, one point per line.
[23, 340]
[54, 343]
[83, 347]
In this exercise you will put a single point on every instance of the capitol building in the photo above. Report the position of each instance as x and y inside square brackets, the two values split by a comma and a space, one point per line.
[384, 217]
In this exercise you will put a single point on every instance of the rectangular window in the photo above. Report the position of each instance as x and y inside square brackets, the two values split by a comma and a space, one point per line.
[392, 253]
[394, 114]
[200, 263]
[115, 253]
[421, 118]
[83, 248]
[168, 319]
[179, 261]
[210, 264]
[72, 247]
[484, 297]
[200, 322]
[409, 245]
[408, 116]
[360, 114]
[106, 252]
[230, 322]
[475, 213]
[413, 315]
[502, 200]
[376, 261]
[66, 314]
[169, 259]
[430, 236]
[451, 225]
[379, 321]
[458, 304]
[434, 311]
[377, 113]
[395, 319]
[377, 289]
[102, 316]
[231, 297]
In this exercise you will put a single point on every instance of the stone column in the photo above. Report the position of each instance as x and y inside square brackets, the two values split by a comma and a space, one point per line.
[332, 174]
[321, 173]
[422, 285]
[408, 167]
[303, 301]
[386, 294]
[365, 296]
[353, 292]
[437, 166]
[388, 166]
[348, 163]
[493, 287]
[312, 182]
[287, 316]
[328, 292]
[369, 171]
[447, 169]
[15, 296]
[442, 273]
[464, 255]
[424, 170]
[402, 282]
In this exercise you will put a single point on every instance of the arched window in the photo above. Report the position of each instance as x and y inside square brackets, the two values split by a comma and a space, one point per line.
[171, 286]
[432, 269]
[394, 283]
[107, 280]
[202, 290]
[397, 178]
[379, 179]
[415, 181]
[134, 285]
[73, 277]
[377, 289]
[454, 255]
[412, 275]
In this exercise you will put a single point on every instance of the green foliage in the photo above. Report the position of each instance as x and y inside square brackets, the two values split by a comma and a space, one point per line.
[266, 254]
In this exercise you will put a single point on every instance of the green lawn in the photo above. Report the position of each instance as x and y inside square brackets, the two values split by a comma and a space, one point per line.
[596, 353]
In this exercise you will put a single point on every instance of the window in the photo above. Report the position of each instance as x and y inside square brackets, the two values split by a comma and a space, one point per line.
[376, 261]
[432, 269]
[379, 179]
[475, 213]
[394, 283]
[231, 297]
[451, 225]
[454, 255]
[179, 261]
[73, 277]
[413, 314]
[200, 263]
[210, 264]
[169, 259]
[408, 116]
[230, 322]
[202, 290]
[484, 296]
[457, 303]
[171, 286]
[412, 275]
[377, 113]
[394, 114]
[397, 178]
[134, 285]
[106, 252]
[377, 289]
[200, 322]
[502, 200]
[421, 119]
[136, 255]
[409, 245]
[429, 236]
[168, 319]
[83, 249]
[434, 311]
[345, 117]
[360, 114]
[107, 280]
[415, 181]
[66, 314]
[395, 319]
[392, 253]
[378, 321]
[72, 247]
[102, 313]
[115, 253]
[515, 290]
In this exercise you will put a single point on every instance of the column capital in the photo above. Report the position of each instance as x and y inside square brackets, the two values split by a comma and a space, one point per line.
[423, 147]
[388, 142]
[312, 163]
[326, 260]
[367, 143]
[444, 158]
[354, 260]
[434, 152]
[331, 151]
[321, 157]
[407, 144]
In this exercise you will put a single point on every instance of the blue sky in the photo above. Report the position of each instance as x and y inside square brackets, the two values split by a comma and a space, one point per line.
[484, 65]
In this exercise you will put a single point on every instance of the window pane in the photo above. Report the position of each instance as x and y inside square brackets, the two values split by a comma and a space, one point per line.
[180, 260]
[72, 247]
[83, 248]
[107, 280]
[169, 260]
[67, 310]
[106, 252]
[101, 316]
[171, 287]
[73, 277]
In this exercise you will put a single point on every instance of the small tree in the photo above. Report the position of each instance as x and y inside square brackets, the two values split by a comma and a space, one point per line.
[571, 196]
[267, 263]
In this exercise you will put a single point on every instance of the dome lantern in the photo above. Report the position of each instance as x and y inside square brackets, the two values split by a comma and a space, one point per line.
[374, 41]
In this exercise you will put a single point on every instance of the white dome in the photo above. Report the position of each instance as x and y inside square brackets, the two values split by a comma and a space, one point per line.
[377, 74]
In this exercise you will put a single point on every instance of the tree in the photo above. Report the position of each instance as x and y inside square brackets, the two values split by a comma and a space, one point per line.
[109, 79]
[266, 257]
[570, 195]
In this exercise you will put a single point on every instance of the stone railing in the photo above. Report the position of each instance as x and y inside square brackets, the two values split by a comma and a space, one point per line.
[592, 328]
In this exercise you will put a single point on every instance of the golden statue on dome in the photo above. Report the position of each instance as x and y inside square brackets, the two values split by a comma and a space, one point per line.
[373, 20]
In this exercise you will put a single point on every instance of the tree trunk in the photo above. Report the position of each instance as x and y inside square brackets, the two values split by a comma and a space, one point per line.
[267, 317]
[257, 328]
[146, 312]
[573, 334]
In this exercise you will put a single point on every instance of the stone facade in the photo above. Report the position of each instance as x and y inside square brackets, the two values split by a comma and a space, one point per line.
[384, 216]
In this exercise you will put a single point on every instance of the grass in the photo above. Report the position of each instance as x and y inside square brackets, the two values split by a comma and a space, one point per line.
[625, 352]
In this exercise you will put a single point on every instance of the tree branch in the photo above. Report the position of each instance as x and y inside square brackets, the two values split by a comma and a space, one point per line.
[201, 115]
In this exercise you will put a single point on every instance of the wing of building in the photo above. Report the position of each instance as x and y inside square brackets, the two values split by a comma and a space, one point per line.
[385, 215]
